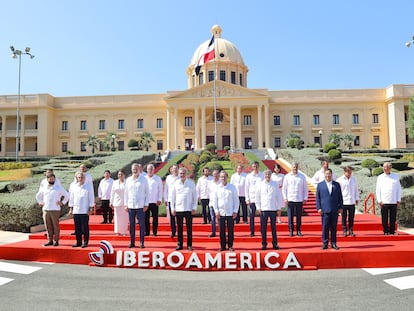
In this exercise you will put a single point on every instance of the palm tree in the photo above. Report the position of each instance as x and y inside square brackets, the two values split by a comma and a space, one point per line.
[334, 138]
[145, 141]
[348, 140]
[93, 142]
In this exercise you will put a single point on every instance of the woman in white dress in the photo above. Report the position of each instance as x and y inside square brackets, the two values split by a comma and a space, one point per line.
[117, 203]
[278, 177]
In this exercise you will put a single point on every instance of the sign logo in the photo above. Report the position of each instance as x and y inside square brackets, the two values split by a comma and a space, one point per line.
[97, 258]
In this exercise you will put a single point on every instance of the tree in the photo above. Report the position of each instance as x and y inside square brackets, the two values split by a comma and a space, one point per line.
[145, 141]
[348, 139]
[133, 144]
[335, 139]
[291, 139]
[108, 142]
[369, 164]
[411, 117]
[93, 142]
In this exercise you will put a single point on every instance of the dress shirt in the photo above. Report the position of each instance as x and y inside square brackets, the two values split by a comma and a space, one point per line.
[104, 188]
[349, 188]
[155, 188]
[184, 196]
[50, 195]
[203, 191]
[45, 183]
[239, 181]
[169, 182]
[225, 200]
[136, 192]
[118, 193]
[81, 198]
[267, 196]
[279, 180]
[252, 180]
[320, 176]
[388, 188]
[295, 188]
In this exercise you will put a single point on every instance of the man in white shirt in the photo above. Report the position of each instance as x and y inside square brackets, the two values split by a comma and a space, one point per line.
[295, 193]
[81, 203]
[388, 192]
[350, 197]
[184, 205]
[136, 199]
[50, 198]
[252, 179]
[278, 177]
[204, 194]
[320, 174]
[225, 202]
[168, 186]
[155, 198]
[212, 188]
[268, 203]
[104, 194]
[45, 182]
[238, 179]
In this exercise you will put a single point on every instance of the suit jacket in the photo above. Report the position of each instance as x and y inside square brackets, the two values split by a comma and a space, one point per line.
[329, 202]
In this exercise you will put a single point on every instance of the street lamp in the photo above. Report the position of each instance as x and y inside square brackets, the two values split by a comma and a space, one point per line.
[113, 142]
[408, 44]
[320, 137]
[18, 54]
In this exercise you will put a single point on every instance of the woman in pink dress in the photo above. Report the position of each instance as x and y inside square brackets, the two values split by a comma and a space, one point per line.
[117, 203]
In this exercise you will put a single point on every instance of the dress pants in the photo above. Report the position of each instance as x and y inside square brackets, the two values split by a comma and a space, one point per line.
[391, 210]
[205, 211]
[252, 211]
[226, 221]
[172, 221]
[264, 216]
[295, 208]
[136, 213]
[213, 220]
[329, 223]
[51, 220]
[348, 214]
[243, 206]
[81, 228]
[153, 209]
[180, 228]
[106, 211]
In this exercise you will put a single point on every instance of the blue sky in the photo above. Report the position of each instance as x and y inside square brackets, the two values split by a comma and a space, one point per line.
[91, 47]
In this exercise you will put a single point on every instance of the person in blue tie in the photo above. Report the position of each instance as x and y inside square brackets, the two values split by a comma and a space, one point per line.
[329, 204]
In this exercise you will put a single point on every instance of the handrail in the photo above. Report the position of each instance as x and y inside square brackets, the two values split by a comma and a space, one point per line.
[371, 207]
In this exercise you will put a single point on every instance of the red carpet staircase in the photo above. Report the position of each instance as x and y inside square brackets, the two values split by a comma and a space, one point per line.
[369, 248]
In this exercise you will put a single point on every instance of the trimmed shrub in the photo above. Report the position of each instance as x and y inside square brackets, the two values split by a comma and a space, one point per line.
[328, 147]
[369, 164]
[211, 147]
[334, 154]
[377, 171]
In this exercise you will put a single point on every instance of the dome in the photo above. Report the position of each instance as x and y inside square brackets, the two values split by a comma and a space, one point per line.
[226, 51]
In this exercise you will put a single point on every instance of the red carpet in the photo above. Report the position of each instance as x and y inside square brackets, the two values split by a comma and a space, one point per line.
[369, 248]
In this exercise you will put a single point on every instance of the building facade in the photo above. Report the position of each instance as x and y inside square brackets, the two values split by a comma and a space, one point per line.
[217, 107]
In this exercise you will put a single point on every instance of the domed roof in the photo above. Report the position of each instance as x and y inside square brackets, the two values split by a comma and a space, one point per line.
[226, 51]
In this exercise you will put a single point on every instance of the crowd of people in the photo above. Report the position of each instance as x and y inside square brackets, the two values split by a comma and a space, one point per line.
[135, 200]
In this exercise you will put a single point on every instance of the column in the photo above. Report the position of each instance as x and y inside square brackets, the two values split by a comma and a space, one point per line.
[259, 127]
[196, 129]
[267, 127]
[168, 142]
[3, 135]
[175, 128]
[238, 130]
[232, 142]
[203, 127]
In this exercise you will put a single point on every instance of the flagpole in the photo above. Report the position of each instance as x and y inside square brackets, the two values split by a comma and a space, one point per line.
[215, 101]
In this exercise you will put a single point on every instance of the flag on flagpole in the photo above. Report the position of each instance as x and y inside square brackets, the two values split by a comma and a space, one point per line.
[206, 57]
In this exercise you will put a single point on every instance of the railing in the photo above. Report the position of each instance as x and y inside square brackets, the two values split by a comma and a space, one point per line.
[371, 207]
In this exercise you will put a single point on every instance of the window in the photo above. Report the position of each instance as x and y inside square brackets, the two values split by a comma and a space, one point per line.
[219, 116]
[36, 126]
[405, 117]
[65, 125]
[276, 120]
[83, 125]
[241, 79]
[277, 142]
[140, 123]
[233, 77]
[160, 145]
[1, 126]
[356, 141]
[247, 120]
[222, 75]
[376, 140]
[101, 124]
[296, 119]
[188, 121]
[210, 75]
[121, 124]
[355, 118]
[121, 145]
[159, 124]
[82, 146]
[375, 118]
[65, 147]
[101, 146]
[201, 78]
[335, 119]
[315, 119]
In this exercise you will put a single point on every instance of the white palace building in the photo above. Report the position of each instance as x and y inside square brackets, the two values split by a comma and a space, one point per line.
[53, 126]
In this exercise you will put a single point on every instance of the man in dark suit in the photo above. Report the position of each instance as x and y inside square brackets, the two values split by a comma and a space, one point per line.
[329, 204]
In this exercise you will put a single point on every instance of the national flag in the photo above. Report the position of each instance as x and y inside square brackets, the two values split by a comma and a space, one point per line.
[206, 57]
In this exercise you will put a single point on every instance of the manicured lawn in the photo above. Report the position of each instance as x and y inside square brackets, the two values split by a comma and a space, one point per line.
[19, 174]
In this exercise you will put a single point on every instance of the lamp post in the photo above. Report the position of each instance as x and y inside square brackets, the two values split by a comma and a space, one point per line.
[320, 137]
[113, 142]
[18, 54]
[408, 44]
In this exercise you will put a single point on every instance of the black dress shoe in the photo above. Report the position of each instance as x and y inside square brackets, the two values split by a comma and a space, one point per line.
[84, 245]
[291, 233]
[190, 248]
[131, 245]
[299, 233]
[48, 243]
[251, 234]
[276, 247]
[56, 243]
[264, 248]
[324, 246]
[231, 249]
[172, 235]
[76, 245]
[179, 248]
[334, 246]
[351, 233]
[344, 233]
[154, 234]
[212, 235]
[103, 222]
[142, 246]
[222, 249]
